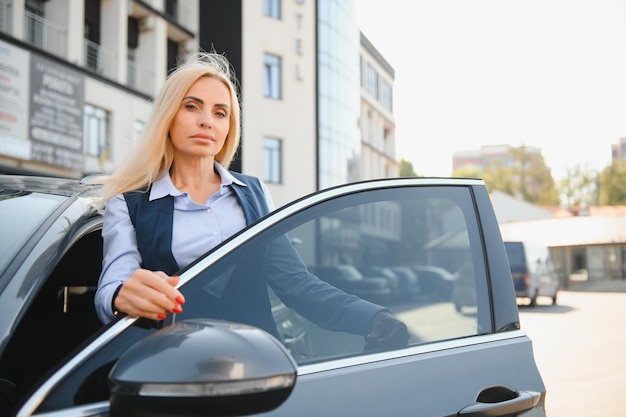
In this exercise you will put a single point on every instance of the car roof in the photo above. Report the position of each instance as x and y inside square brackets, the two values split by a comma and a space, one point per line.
[50, 185]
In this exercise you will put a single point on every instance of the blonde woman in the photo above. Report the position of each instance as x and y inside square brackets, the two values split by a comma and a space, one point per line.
[187, 145]
[174, 198]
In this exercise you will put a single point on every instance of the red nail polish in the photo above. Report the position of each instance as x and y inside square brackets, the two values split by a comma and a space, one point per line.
[161, 316]
[180, 299]
[177, 310]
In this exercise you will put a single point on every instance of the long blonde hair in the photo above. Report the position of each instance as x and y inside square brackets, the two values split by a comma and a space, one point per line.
[153, 155]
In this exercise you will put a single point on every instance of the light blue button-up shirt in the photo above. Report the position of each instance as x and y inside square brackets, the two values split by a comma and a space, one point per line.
[197, 229]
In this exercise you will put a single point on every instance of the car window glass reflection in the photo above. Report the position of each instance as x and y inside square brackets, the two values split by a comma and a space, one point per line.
[408, 255]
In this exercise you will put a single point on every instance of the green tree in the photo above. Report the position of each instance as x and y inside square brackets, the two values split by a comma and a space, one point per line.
[405, 169]
[501, 178]
[533, 177]
[612, 185]
[467, 172]
[525, 175]
[579, 186]
[547, 194]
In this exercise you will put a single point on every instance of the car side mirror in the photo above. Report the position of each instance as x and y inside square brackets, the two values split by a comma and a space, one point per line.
[202, 368]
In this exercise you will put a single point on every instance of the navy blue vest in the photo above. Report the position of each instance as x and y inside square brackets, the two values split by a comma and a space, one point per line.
[153, 221]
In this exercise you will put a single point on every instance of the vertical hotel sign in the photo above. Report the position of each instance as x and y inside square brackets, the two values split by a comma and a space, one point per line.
[14, 64]
[56, 114]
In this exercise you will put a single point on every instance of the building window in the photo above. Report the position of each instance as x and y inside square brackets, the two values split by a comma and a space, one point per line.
[131, 68]
[271, 76]
[387, 95]
[34, 22]
[386, 134]
[171, 8]
[271, 8]
[372, 81]
[272, 160]
[173, 54]
[138, 128]
[94, 57]
[96, 132]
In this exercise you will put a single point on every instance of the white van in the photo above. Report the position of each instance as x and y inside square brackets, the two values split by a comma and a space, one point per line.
[532, 271]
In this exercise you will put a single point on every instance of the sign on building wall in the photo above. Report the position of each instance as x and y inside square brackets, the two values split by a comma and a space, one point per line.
[56, 114]
[41, 109]
[14, 65]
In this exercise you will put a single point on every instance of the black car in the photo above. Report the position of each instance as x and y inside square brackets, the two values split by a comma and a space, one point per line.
[350, 279]
[56, 359]
[436, 282]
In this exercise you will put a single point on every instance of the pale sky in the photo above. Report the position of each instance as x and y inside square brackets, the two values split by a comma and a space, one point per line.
[549, 74]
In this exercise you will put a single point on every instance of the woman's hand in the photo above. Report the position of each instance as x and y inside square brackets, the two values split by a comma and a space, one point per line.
[149, 294]
[387, 332]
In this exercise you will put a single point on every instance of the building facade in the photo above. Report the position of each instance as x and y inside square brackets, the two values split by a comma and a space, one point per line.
[377, 123]
[77, 78]
[618, 151]
[338, 92]
[271, 45]
[72, 99]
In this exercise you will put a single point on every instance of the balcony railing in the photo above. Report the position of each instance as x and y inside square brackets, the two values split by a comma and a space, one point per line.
[138, 77]
[45, 35]
[99, 59]
[180, 12]
[4, 16]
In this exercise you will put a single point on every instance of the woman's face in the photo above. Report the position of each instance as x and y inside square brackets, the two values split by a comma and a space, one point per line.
[202, 121]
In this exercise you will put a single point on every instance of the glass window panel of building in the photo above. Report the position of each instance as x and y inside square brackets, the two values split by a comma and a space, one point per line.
[272, 76]
[272, 160]
[372, 81]
[95, 131]
[272, 8]
[138, 128]
[387, 95]
[338, 92]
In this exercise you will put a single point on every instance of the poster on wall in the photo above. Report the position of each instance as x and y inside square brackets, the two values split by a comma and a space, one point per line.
[14, 77]
[56, 114]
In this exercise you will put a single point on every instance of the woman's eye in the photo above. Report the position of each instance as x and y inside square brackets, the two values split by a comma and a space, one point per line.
[190, 106]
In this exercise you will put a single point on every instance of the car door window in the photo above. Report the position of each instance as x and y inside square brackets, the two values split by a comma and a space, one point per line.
[405, 250]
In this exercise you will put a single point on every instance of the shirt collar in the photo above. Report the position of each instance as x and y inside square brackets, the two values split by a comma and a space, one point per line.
[164, 186]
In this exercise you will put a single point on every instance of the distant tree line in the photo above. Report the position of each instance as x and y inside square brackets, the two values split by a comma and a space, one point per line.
[530, 179]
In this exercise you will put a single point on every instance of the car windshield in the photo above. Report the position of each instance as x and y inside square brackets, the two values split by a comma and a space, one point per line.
[21, 214]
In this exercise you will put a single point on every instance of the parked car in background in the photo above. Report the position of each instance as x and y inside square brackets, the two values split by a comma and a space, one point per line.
[372, 271]
[463, 293]
[408, 281]
[436, 282]
[350, 279]
[406, 286]
[532, 271]
[57, 360]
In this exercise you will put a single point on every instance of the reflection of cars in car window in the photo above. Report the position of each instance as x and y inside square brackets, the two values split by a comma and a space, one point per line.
[344, 235]
[350, 279]
[436, 281]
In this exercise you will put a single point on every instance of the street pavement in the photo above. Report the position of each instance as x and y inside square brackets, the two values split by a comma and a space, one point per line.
[580, 349]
